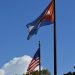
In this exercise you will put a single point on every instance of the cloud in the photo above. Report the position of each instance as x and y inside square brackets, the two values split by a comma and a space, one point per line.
[1, 72]
[17, 65]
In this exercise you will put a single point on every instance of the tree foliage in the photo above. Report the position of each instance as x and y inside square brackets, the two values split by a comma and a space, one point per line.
[42, 72]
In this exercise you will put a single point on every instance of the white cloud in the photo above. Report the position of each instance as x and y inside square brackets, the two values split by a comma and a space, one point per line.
[17, 65]
[1, 72]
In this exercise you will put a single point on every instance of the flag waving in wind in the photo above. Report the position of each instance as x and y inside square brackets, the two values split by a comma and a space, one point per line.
[46, 18]
[34, 62]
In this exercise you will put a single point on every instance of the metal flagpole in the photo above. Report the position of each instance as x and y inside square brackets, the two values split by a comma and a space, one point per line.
[55, 54]
[39, 59]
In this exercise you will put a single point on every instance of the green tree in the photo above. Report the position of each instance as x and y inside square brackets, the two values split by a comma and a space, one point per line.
[42, 72]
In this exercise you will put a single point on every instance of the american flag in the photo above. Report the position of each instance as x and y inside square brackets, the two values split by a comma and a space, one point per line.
[34, 62]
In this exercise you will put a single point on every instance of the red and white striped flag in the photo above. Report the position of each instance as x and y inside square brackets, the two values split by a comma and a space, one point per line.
[34, 62]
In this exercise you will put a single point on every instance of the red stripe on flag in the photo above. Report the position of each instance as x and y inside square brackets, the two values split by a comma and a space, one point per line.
[34, 64]
[34, 61]
[31, 69]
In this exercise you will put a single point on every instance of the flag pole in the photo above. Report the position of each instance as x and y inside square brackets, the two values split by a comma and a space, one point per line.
[55, 54]
[39, 59]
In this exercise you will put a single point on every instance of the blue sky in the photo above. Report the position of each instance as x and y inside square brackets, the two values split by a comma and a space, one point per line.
[15, 14]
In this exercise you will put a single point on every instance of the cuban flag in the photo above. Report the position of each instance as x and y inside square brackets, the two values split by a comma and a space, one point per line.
[46, 18]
